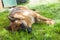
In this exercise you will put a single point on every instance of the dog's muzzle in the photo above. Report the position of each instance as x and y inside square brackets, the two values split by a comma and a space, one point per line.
[23, 26]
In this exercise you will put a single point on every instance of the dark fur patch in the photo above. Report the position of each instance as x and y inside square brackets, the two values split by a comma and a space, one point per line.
[8, 28]
[23, 27]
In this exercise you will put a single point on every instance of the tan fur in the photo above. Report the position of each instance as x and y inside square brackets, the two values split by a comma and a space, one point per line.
[27, 16]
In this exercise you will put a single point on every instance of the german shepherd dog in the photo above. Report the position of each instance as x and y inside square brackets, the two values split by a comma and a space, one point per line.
[23, 17]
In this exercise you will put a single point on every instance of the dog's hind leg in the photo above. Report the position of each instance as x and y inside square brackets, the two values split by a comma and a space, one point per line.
[44, 19]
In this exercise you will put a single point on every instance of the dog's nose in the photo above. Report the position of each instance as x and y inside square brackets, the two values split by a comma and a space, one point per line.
[29, 30]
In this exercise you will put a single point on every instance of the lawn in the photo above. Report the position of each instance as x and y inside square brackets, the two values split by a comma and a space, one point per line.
[40, 31]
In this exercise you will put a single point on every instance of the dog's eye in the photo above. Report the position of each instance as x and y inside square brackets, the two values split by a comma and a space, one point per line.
[17, 19]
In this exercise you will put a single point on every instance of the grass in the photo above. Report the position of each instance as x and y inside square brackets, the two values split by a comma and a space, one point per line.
[41, 31]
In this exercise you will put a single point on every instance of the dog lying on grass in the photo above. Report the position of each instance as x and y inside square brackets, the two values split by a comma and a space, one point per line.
[23, 17]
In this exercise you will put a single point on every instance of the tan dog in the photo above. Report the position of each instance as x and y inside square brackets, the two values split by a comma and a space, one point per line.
[23, 16]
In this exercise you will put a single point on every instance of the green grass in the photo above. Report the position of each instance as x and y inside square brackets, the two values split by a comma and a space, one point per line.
[40, 31]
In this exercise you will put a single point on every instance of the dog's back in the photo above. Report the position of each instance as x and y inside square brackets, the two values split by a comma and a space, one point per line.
[22, 12]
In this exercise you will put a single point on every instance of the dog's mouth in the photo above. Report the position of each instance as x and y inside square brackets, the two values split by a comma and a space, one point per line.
[23, 26]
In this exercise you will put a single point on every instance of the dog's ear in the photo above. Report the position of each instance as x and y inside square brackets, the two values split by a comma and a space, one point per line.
[11, 19]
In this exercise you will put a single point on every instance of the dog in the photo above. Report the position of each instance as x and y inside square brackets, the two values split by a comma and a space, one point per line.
[23, 17]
